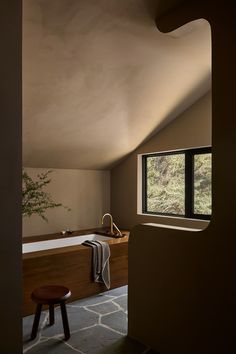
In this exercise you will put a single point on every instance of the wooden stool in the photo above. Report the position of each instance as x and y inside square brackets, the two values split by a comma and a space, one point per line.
[51, 295]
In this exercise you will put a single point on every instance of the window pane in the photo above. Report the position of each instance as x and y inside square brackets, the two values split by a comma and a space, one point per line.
[202, 184]
[165, 184]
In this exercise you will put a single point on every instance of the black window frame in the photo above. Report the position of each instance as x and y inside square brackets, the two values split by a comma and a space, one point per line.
[189, 182]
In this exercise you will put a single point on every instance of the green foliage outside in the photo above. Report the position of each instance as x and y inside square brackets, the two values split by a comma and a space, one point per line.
[202, 184]
[166, 184]
[34, 199]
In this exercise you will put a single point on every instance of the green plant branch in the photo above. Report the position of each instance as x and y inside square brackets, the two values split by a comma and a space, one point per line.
[34, 199]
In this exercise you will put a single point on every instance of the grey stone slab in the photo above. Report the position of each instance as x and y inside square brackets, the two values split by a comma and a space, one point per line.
[122, 302]
[116, 321]
[78, 318]
[27, 324]
[104, 308]
[94, 340]
[52, 346]
[90, 300]
[118, 291]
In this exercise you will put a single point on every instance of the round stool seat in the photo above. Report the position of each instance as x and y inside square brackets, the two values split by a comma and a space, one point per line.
[50, 294]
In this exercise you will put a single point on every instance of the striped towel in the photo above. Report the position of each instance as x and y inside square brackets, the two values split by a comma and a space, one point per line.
[100, 262]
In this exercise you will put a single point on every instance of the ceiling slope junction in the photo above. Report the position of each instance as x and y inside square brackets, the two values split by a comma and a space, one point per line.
[99, 79]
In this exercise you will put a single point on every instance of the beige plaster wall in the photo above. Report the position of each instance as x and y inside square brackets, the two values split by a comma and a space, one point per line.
[86, 192]
[101, 67]
[181, 283]
[190, 129]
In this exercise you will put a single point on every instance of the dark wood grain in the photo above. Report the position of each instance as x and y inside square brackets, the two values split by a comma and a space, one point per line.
[72, 267]
[51, 295]
[48, 294]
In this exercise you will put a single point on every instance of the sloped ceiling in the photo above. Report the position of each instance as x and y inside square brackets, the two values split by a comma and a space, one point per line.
[99, 78]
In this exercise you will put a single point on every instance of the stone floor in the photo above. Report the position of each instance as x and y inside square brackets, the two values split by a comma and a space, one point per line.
[98, 325]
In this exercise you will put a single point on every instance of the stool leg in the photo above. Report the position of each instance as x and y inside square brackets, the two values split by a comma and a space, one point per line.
[65, 320]
[51, 315]
[36, 321]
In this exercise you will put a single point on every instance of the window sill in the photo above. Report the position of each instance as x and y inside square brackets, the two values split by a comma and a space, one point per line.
[174, 222]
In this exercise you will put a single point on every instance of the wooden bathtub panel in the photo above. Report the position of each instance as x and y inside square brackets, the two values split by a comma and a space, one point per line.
[72, 269]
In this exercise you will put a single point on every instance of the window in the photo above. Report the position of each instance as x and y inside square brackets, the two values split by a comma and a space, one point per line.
[177, 183]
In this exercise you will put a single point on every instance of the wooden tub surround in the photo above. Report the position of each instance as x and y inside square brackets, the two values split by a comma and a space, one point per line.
[72, 267]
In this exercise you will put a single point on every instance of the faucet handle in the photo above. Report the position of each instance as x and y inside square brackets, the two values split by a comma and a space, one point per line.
[116, 227]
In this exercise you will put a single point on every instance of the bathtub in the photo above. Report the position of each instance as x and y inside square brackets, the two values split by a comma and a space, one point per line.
[53, 259]
[61, 242]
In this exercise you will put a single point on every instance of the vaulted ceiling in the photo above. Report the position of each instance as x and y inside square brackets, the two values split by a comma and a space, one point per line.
[99, 79]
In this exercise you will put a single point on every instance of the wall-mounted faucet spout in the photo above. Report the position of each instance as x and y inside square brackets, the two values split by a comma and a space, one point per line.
[112, 226]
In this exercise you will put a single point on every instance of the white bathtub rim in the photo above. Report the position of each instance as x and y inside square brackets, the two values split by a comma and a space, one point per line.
[61, 242]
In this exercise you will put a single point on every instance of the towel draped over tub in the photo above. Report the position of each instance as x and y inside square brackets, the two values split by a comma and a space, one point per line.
[100, 261]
